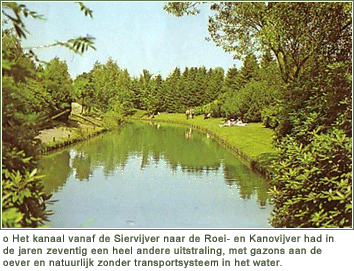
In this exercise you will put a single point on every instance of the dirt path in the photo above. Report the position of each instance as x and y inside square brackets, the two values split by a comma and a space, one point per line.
[64, 132]
[55, 134]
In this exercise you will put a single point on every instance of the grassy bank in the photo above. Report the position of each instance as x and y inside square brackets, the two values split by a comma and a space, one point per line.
[78, 128]
[252, 142]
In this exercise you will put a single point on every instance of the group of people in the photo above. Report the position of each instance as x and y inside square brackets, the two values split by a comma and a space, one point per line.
[228, 123]
[190, 113]
[232, 122]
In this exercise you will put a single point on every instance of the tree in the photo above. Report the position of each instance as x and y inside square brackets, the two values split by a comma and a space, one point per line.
[113, 88]
[311, 43]
[215, 81]
[147, 95]
[294, 32]
[173, 93]
[199, 91]
[25, 103]
[18, 115]
[104, 78]
[189, 87]
[58, 83]
[231, 81]
[160, 97]
[249, 70]
[247, 91]
[84, 91]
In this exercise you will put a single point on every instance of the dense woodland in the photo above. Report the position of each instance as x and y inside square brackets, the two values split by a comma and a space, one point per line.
[210, 90]
[295, 78]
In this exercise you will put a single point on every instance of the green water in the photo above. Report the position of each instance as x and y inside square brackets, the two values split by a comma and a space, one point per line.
[153, 176]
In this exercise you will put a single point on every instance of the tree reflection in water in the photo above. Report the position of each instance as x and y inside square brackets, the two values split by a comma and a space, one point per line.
[195, 153]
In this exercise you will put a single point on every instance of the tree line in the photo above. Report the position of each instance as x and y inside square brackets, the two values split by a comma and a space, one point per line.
[247, 92]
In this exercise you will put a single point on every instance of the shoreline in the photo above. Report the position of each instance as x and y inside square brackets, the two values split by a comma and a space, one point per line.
[65, 136]
[78, 128]
[253, 163]
[46, 149]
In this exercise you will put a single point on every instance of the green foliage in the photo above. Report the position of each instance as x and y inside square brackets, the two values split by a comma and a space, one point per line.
[250, 91]
[231, 81]
[122, 108]
[85, 10]
[311, 109]
[313, 183]
[269, 116]
[23, 202]
[195, 87]
[83, 91]
[57, 82]
[325, 92]
[214, 84]
[11, 218]
[16, 16]
[148, 89]
[19, 116]
[314, 121]
[173, 90]
[213, 108]
[30, 95]
[313, 177]
[111, 88]
[249, 70]
[181, 8]
[14, 13]
[78, 45]
[112, 119]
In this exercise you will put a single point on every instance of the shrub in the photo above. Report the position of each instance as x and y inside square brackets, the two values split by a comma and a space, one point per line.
[213, 108]
[312, 184]
[269, 116]
[23, 200]
[112, 119]
[248, 102]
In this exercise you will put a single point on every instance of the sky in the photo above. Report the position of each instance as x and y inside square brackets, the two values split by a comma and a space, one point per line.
[138, 35]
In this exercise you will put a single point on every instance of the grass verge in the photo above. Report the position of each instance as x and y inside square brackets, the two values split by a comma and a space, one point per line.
[253, 142]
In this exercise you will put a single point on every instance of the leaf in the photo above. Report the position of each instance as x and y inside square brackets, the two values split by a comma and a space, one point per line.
[34, 172]
[11, 214]
[86, 10]
[27, 193]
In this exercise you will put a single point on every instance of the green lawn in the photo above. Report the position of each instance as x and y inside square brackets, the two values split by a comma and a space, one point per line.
[254, 140]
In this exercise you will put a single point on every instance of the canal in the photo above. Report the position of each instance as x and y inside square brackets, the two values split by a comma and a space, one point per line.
[153, 176]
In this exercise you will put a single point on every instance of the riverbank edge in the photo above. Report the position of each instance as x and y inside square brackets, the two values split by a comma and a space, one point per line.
[251, 162]
[93, 127]
[46, 149]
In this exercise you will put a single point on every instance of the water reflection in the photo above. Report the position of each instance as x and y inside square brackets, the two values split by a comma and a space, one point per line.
[154, 147]
[56, 169]
[81, 164]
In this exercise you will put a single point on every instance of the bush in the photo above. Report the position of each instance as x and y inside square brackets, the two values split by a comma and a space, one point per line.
[23, 200]
[23, 95]
[112, 119]
[121, 107]
[269, 116]
[313, 183]
[248, 102]
[213, 108]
